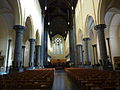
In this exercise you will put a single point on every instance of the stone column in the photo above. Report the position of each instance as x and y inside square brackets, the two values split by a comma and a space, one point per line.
[45, 62]
[8, 52]
[87, 51]
[93, 47]
[45, 47]
[79, 54]
[31, 54]
[42, 49]
[72, 37]
[41, 63]
[108, 43]
[44, 41]
[96, 53]
[102, 44]
[17, 63]
[23, 49]
[72, 47]
[44, 19]
[37, 59]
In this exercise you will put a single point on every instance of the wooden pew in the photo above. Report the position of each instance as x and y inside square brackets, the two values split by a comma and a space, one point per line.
[93, 79]
[33, 79]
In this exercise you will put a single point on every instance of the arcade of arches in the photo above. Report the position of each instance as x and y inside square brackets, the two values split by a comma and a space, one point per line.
[59, 33]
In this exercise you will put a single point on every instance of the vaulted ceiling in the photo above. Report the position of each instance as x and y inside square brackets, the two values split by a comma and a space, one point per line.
[57, 13]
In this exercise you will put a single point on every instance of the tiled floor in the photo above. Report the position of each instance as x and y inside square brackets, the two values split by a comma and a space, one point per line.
[62, 82]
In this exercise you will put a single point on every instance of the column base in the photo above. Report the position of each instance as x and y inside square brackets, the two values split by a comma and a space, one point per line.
[87, 66]
[37, 67]
[105, 68]
[2, 69]
[15, 70]
[42, 66]
[3, 73]
[7, 69]
[30, 68]
[72, 64]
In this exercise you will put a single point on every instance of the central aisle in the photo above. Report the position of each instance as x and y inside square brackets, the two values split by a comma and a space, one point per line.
[62, 82]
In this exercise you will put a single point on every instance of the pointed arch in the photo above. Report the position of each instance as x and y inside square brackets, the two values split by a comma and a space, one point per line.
[79, 36]
[29, 30]
[17, 13]
[30, 26]
[89, 25]
[38, 39]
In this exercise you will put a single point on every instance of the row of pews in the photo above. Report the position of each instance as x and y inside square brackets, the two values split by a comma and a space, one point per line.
[41, 79]
[93, 79]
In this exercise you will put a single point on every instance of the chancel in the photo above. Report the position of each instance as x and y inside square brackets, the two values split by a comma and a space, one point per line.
[59, 45]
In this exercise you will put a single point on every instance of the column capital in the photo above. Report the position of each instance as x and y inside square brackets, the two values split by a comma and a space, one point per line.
[37, 45]
[31, 40]
[94, 45]
[100, 27]
[10, 40]
[18, 27]
[86, 39]
[79, 45]
[23, 46]
[107, 38]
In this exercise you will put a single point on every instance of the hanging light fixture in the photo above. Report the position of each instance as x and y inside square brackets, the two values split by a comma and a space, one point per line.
[48, 23]
[68, 23]
[72, 8]
[45, 7]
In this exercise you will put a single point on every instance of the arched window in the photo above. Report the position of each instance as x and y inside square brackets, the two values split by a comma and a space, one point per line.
[57, 46]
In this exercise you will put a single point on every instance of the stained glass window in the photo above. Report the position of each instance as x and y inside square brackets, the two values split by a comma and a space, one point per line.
[57, 46]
